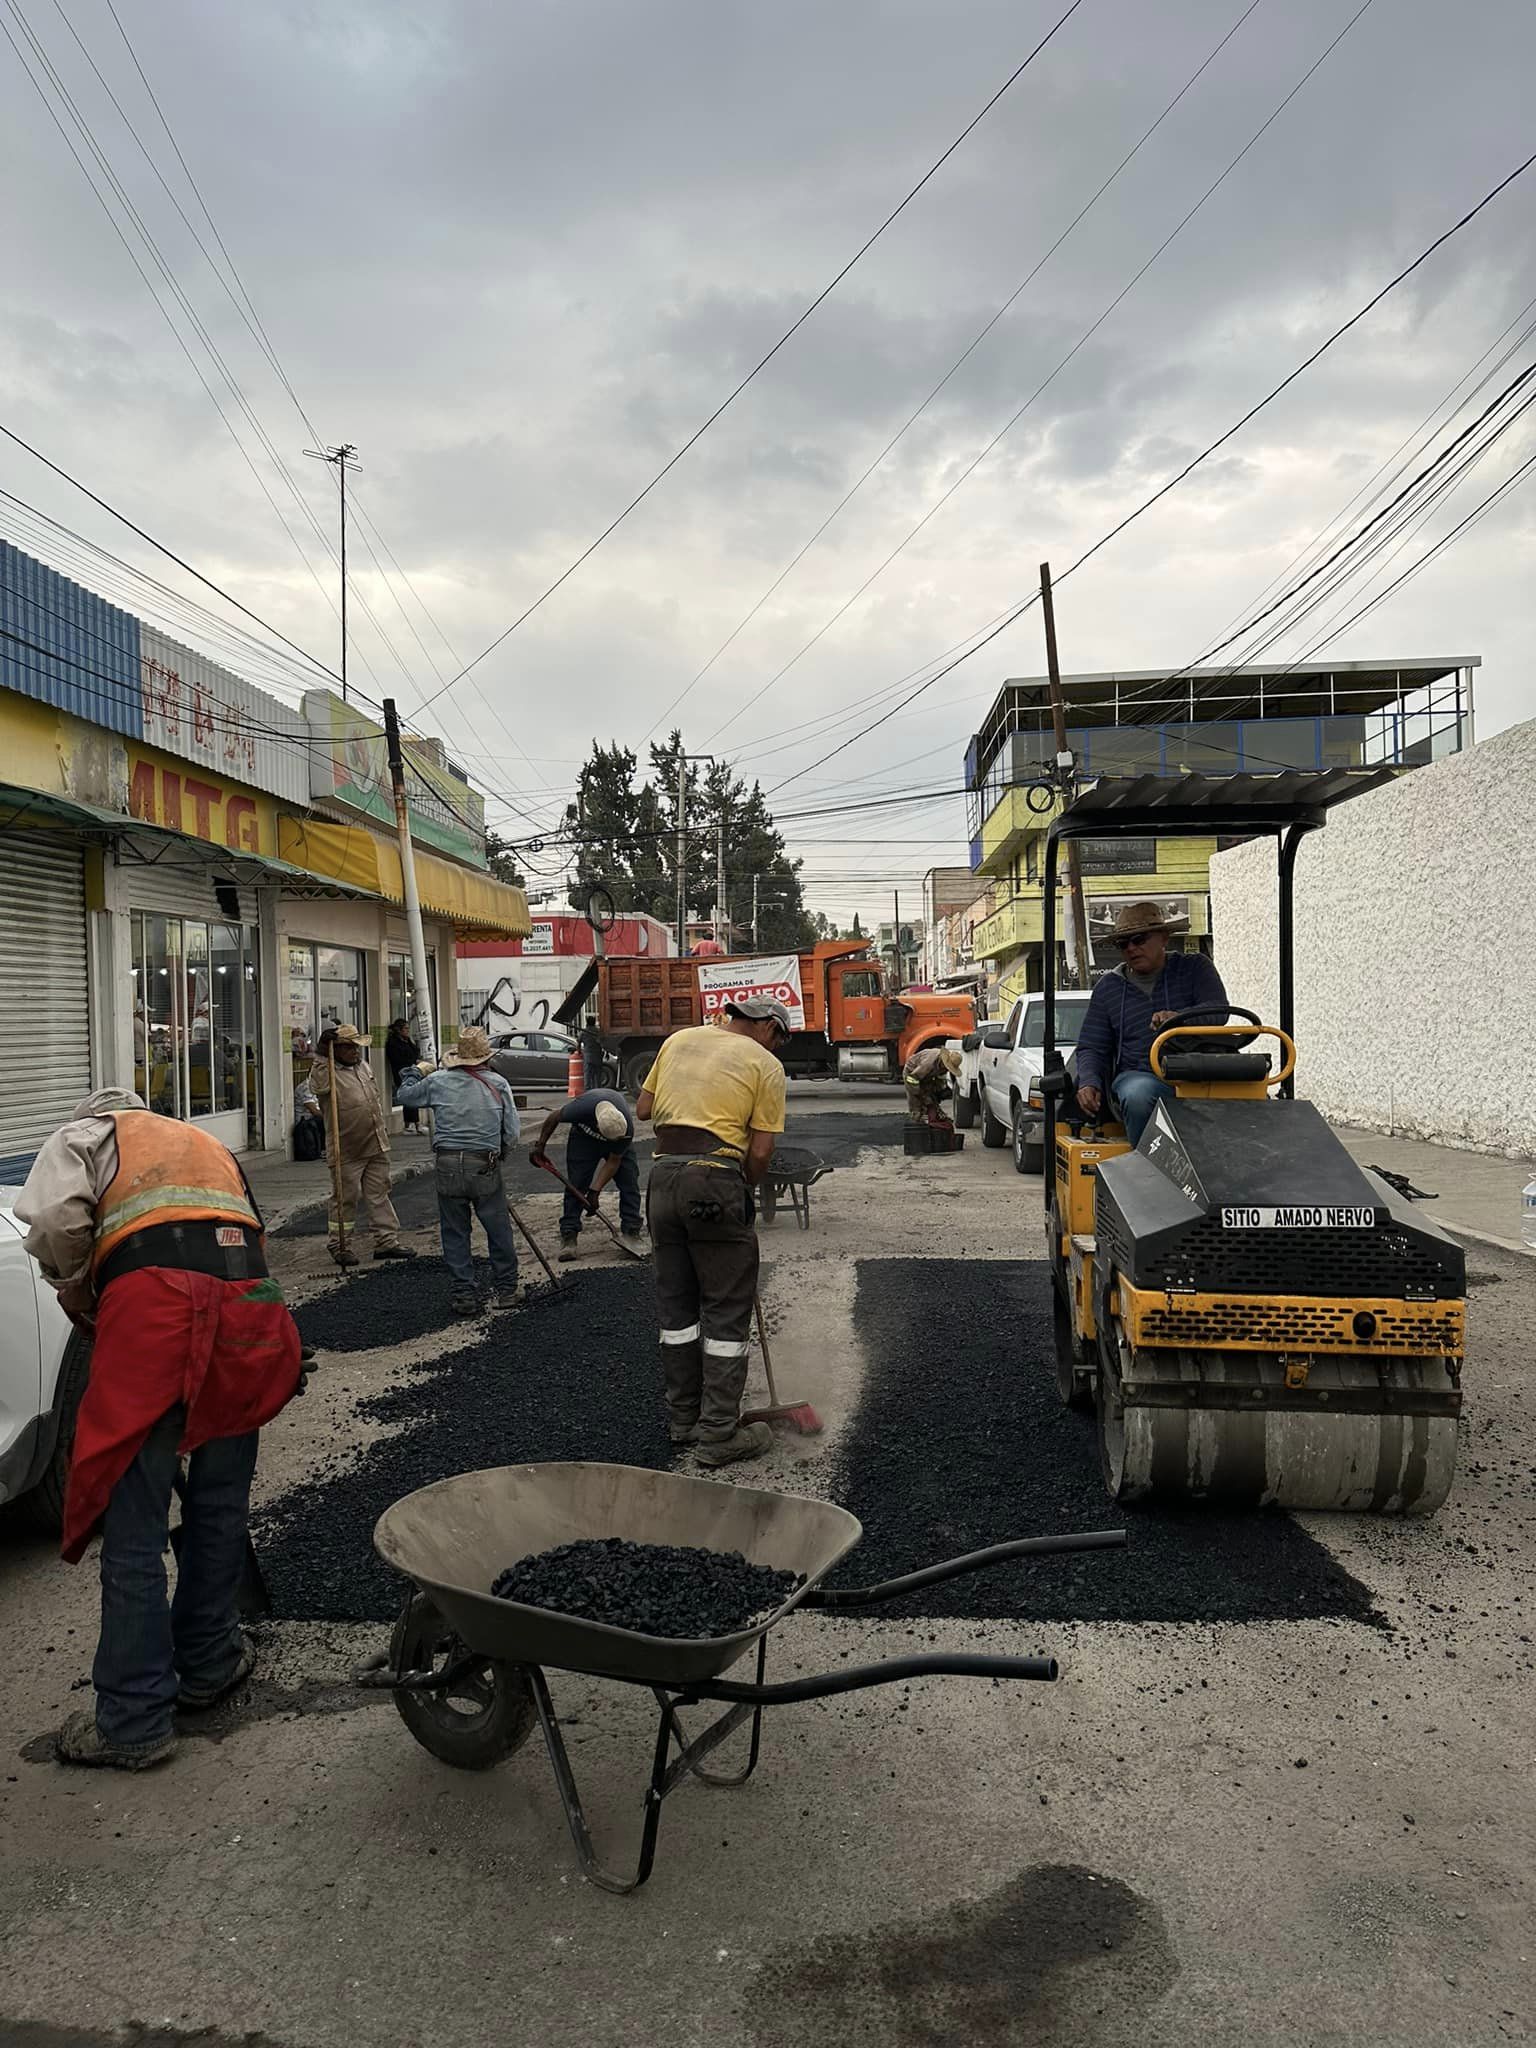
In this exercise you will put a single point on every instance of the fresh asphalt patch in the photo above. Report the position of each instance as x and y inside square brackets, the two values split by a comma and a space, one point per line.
[568, 1375]
[960, 1442]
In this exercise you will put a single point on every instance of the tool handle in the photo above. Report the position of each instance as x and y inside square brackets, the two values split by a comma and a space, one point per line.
[590, 1206]
[336, 1178]
[762, 1338]
[972, 1561]
[533, 1245]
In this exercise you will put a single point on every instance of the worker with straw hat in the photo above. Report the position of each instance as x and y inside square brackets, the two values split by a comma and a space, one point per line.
[1130, 1007]
[357, 1127]
[474, 1125]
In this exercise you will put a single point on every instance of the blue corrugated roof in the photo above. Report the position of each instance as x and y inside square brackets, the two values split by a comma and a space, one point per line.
[65, 646]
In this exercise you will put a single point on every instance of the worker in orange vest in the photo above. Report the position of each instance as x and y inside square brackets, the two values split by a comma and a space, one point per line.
[149, 1231]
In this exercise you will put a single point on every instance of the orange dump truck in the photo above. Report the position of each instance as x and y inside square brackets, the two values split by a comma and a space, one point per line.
[847, 1027]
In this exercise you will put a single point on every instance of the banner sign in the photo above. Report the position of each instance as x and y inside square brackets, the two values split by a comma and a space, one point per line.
[731, 981]
[542, 938]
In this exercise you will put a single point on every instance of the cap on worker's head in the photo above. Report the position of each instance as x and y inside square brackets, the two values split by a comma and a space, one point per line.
[105, 1100]
[1137, 918]
[762, 1010]
[472, 1050]
[611, 1120]
[348, 1034]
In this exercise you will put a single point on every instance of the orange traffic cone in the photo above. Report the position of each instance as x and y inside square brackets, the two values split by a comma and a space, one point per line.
[576, 1075]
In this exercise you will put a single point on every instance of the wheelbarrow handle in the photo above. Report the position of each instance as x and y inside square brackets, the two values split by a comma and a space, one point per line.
[955, 1567]
[893, 1672]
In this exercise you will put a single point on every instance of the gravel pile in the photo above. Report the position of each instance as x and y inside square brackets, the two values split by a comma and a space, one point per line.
[571, 1375]
[657, 1589]
[392, 1304]
[960, 1442]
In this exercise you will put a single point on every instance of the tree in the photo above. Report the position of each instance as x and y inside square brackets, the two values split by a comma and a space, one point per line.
[627, 842]
[501, 859]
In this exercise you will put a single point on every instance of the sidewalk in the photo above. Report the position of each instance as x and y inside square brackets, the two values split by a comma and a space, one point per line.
[283, 1186]
[1479, 1192]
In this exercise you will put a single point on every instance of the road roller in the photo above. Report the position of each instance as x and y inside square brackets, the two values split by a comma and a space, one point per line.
[1254, 1317]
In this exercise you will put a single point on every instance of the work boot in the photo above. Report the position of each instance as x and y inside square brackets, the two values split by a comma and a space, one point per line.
[465, 1302]
[80, 1741]
[343, 1257]
[683, 1432]
[567, 1251]
[507, 1297]
[194, 1699]
[633, 1230]
[752, 1440]
[393, 1251]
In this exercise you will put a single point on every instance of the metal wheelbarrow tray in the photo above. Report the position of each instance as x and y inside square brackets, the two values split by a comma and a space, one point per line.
[467, 1669]
[793, 1171]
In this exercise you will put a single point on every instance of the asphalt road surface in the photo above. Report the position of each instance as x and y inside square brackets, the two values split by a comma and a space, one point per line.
[1281, 1792]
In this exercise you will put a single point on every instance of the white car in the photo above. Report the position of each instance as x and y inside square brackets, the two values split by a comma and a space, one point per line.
[1000, 1065]
[44, 1363]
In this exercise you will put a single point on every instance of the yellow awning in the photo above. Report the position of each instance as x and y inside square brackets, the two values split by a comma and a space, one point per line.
[477, 906]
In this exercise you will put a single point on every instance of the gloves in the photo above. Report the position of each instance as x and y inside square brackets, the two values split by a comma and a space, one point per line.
[591, 1202]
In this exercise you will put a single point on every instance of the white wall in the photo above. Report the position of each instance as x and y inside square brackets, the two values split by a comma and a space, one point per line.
[1415, 950]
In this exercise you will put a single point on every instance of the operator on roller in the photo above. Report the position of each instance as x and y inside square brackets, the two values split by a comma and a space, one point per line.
[716, 1097]
[148, 1230]
[1130, 1007]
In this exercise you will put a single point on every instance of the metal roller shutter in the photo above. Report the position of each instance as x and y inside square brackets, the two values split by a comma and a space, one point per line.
[44, 973]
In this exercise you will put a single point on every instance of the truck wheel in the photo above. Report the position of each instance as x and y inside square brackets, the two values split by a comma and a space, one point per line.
[634, 1070]
[1027, 1158]
[45, 1502]
[965, 1109]
[993, 1134]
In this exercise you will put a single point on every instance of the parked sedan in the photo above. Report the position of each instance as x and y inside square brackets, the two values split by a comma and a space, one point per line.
[536, 1059]
[44, 1363]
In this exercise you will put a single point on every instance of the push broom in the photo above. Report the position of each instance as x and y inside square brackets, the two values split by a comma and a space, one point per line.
[799, 1415]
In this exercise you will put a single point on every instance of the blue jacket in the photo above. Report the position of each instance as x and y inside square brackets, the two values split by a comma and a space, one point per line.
[1117, 1033]
[472, 1108]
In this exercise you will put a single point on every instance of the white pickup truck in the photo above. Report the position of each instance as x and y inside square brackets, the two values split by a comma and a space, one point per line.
[1000, 1065]
[44, 1364]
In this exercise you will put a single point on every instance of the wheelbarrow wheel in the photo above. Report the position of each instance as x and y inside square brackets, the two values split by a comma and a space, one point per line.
[481, 1717]
[767, 1200]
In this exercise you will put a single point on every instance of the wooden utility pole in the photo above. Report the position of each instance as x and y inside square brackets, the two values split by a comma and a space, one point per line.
[1064, 762]
[682, 855]
[425, 1032]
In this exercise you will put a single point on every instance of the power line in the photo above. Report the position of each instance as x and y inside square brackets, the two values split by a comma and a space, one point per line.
[763, 361]
[1009, 618]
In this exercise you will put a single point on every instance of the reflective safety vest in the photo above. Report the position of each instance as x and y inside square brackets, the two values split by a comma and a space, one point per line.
[167, 1172]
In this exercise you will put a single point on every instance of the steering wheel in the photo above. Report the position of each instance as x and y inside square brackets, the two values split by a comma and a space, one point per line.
[1212, 1013]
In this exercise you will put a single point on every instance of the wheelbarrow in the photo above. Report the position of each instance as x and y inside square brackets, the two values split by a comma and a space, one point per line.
[466, 1668]
[793, 1172]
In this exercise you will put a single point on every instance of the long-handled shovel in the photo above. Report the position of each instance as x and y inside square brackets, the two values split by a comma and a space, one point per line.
[533, 1246]
[630, 1251]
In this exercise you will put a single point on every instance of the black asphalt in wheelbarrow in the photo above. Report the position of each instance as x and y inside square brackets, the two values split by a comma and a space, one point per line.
[467, 1669]
[794, 1171]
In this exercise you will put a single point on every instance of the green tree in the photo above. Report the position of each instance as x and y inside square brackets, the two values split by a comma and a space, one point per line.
[501, 859]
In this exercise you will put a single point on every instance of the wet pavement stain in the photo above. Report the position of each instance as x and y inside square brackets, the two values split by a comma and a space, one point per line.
[1058, 1956]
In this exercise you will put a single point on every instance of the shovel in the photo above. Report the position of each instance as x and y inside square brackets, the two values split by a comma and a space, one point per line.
[630, 1251]
[533, 1246]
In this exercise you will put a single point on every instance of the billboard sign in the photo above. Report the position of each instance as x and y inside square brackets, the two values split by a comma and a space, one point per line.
[732, 981]
[348, 766]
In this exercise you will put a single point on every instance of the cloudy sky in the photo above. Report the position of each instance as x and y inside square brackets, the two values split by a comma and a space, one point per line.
[517, 252]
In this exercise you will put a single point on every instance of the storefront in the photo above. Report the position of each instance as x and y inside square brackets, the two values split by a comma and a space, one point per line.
[44, 970]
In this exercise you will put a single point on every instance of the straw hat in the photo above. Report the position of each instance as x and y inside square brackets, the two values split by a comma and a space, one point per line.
[348, 1034]
[472, 1050]
[1137, 918]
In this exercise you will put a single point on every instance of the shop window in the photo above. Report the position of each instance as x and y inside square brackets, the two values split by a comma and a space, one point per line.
[326, 985]
[402, 989]
[196, 1018]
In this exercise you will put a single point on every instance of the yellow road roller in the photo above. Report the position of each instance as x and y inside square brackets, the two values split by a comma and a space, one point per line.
[1255, 1318]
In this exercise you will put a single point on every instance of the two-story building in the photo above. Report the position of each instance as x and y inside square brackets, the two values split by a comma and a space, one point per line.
[1258, 720]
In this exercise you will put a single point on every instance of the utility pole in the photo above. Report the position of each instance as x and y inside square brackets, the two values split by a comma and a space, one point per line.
[722, 922]
[896, 938]
[426, 1037]
[339, 457]
[1065, 765]
[682, 855]
[754, 913]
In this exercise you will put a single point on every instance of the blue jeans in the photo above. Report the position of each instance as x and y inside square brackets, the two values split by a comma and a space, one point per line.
[149, 1650]
[583, 1156]
[471, 1182]
[1134, 1095]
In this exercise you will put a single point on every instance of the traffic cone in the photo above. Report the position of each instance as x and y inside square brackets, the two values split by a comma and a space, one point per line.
[576, 1074]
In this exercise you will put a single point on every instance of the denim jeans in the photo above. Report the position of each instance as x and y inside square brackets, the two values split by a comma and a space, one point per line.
[149, 1650]
[472, 1181]
[1135, 1095]
[583, 1156]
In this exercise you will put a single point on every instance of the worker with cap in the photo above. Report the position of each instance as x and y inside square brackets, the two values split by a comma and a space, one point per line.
[1130, 1007]
[148, 1230]
[362, 1127]
[474, 1125]
[927, 1076]
[716, 1098]
[599, 1148]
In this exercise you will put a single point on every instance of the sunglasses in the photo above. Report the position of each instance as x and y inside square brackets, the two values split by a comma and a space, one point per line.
[1135, 939]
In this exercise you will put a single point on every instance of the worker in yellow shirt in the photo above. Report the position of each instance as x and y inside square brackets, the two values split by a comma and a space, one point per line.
[716, 1098]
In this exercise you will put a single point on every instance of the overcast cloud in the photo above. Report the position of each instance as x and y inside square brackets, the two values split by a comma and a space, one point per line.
[516, 252]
